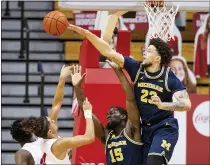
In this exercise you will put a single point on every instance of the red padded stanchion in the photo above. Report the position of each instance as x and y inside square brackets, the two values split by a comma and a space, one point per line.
[89, 56]
[123, 42]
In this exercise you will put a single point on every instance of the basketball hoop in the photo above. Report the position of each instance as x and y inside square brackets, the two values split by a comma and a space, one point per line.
[161, 19]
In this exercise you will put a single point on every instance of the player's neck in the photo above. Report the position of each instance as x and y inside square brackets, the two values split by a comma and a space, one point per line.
[153, 68]
[30, 141]
[118, 130]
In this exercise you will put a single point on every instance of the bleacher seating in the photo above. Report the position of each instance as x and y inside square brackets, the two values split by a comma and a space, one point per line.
[43, 47]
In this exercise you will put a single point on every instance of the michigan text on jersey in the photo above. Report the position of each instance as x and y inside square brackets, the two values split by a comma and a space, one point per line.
[152, 86]
[116, 144]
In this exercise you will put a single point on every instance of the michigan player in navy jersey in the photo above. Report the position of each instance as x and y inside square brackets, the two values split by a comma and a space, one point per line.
[157, 91]
[121, 138]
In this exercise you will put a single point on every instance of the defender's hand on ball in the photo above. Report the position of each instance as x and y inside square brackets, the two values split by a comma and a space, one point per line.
[77, 79]
[156, 100]
[78, 29]
[65, 71]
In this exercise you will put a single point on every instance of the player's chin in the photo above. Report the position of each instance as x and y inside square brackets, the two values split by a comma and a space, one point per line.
[111, 125]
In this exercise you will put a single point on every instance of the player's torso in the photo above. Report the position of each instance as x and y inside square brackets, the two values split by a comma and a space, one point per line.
[49, 157]
[121, 150]
[35, 149]
[150, 85]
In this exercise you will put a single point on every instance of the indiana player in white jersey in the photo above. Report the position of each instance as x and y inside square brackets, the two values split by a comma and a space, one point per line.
[56, 149]
[31, 151]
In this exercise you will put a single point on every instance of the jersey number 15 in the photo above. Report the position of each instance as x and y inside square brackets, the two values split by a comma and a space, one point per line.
[116, 155]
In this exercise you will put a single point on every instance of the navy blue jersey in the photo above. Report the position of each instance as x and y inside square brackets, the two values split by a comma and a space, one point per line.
[121, 150]
[162, 83]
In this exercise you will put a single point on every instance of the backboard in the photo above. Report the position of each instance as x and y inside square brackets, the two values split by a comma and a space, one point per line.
[130, 5]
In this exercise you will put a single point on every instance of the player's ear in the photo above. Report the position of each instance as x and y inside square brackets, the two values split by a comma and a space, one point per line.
[49, 132]
[158, 58]
[123, 116]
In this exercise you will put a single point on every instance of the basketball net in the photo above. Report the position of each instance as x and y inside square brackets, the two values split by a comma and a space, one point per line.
[161, 19]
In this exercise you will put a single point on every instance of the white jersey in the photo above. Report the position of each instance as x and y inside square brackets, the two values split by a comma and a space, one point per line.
[35, 149]
[50, 157]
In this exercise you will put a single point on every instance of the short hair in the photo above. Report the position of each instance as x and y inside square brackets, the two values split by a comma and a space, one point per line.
[18, 133]
[163, 50]
[121, 110]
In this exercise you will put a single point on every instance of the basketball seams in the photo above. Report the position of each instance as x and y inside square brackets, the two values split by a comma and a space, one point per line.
[57, 24]
[57, 20]
[47, 17]
[51, 23]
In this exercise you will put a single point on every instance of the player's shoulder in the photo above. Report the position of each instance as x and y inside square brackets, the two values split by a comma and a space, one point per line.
[23, 153]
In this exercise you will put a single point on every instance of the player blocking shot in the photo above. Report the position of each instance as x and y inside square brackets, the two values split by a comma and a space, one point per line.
[158, 94]
[122, 135]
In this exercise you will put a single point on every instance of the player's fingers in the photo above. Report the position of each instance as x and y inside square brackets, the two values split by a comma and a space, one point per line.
[109, 62]
[80, 68]
[83, 76]
[74, 69]
[63, 66]
[77, 68]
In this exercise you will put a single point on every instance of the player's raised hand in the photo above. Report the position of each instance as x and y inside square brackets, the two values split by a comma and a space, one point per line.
[112, 64]
[78, 29]
[65, 71]
[77, 79]
[87, 106]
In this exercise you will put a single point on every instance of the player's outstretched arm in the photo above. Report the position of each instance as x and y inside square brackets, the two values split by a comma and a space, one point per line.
[102, 46]
[131, 106]
[61, 146]
[77, 80]
[59, 93]
[181, 102]
[23, 157]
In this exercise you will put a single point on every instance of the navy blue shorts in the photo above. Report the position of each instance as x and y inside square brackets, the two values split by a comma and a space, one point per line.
[160, 139]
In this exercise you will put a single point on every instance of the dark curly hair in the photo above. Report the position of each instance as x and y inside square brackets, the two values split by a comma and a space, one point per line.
[163, 50]
[18, 132]
[37, 125]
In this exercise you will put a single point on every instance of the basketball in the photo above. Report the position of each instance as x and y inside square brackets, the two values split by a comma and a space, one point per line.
[55, 23]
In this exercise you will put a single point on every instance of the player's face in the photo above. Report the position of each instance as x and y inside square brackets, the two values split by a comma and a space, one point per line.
[178, 69]
[113, 118]
[53, 128]
[150, 56]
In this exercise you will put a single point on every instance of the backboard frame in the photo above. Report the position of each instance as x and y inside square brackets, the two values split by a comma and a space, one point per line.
[133, 5]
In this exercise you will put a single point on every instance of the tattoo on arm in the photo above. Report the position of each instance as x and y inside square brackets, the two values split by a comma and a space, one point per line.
[180, 102]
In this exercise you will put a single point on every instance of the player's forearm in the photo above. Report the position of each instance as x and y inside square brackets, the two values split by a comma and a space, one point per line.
[59, 93]
[102, 46]
[58, 99]
[180, 105]
[80, 96]
[90, 132]
[126, 86]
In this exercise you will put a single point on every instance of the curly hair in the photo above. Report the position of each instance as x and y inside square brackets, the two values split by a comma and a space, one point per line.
[163, 50]
[39, 126]
[18, 132]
